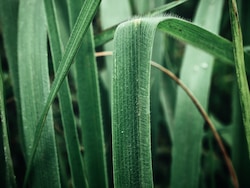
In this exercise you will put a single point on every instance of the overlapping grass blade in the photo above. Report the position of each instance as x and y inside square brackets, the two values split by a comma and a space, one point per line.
[108, 34]
[7, 172]
[88, 95]
[69, 126]
[240, 68]
[86, 15]
[196, 72]
[34, 89]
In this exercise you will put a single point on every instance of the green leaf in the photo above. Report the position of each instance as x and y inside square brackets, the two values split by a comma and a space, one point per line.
[130, 103]
[196, 72]
[86, 15]
[69, 125]
[34, 89]
[238, 52]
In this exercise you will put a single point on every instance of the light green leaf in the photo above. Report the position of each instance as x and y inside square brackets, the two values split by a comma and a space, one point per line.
[196, 72]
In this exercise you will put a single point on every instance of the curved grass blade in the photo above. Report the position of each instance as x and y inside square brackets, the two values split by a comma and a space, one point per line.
[240, 68]
[193, 35]
[34, 89]
[108, 34]
[86, 15]
[69, 125]
[7, 172]
[88, 98]
[132, 166]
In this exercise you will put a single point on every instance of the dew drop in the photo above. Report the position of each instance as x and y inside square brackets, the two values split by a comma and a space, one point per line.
[204, 65]
[122, 132]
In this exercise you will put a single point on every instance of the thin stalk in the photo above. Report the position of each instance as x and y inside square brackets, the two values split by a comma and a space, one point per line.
[206, 118]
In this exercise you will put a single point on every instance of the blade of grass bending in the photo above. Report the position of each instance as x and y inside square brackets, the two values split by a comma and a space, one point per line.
[196, 72]
[86, 15]
[240, 68]
[34, 89]
[88, 98]
[120, 130]
[7, 172]
[193, 35]
[108, 34]
[69, 126]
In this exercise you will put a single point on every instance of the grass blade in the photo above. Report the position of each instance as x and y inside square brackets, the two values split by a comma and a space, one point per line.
[7, 172]
[90, 114]
[88, 95]
[86, 15]
[130, 103]
[240, 68]
[188, 127]
[69, 126]
[34, 89]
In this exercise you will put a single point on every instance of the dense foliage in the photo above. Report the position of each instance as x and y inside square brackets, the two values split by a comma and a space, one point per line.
[136, 93]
